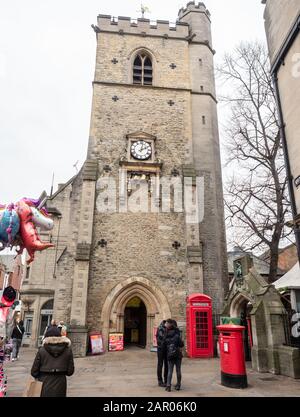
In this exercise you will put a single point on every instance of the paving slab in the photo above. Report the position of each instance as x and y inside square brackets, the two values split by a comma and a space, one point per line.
[133, 373]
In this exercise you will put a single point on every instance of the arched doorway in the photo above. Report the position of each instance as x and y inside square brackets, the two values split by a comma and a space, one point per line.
[135, 323]
[241, 308]
[45, 319]
[155, 302]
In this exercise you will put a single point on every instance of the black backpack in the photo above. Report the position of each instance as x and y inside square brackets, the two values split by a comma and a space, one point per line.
[173, 351]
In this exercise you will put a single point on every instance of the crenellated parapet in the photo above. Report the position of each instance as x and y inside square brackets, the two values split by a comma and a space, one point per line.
[127, 25]
[193, 7]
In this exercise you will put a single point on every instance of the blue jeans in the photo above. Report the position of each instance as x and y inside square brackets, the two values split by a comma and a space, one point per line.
[171, 364]
[162, 364]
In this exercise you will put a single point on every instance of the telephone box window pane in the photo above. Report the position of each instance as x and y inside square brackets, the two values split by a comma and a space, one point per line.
[201, 318]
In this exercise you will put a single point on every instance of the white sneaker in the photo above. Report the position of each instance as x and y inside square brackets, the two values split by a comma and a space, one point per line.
[13, 359]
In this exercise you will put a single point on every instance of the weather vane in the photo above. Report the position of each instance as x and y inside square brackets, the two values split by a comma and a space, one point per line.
[144, 9]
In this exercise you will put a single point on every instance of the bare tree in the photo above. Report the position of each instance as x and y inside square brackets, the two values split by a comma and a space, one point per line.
[256, 195]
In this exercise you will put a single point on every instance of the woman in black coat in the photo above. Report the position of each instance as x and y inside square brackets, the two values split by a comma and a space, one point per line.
[174, 345]
[53, 362]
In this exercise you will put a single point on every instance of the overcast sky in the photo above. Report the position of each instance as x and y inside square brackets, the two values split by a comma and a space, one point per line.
[47, 55]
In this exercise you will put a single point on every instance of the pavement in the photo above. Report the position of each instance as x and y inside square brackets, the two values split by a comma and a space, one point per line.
[133, 373]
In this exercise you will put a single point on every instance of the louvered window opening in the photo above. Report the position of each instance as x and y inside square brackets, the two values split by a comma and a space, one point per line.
[142, 70]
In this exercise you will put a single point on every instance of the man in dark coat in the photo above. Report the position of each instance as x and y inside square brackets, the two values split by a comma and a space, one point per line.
[53, 362]
[162, 361]
[17, 336]
[174, 344]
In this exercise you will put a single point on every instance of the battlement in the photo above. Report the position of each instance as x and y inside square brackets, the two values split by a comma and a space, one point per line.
[193, 7]
[121, 24]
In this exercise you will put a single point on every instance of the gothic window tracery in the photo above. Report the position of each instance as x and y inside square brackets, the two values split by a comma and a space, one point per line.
[142, 70]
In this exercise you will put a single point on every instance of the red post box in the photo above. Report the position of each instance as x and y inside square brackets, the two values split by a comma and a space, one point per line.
[233, 368]
[199, 328]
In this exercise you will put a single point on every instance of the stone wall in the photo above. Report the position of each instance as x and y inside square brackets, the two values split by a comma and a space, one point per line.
[66, 262]
[163, 51]
[279, 16]
[279, 25]
[289, 87]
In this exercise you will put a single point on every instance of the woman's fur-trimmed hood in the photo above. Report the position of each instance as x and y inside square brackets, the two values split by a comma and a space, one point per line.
[56, 340]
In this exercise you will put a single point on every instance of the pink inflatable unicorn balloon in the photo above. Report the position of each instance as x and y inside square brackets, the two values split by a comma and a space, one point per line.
[18, 224]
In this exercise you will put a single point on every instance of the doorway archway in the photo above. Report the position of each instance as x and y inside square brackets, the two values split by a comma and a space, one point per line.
[135, 323]
[155, 302]
[241, 308]
[45, 318]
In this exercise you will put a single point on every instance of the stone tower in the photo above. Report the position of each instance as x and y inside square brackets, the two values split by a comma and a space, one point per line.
[153, 122]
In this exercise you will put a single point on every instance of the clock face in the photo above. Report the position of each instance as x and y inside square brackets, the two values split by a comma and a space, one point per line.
[141, 150]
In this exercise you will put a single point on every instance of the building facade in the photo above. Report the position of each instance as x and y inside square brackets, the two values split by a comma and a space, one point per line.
[287, 259]
[282, 23]
[132, 247]
[39, 278]
[11, 271]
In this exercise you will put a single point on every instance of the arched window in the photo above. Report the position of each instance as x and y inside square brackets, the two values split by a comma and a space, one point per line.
[48, 305]
[142, 70]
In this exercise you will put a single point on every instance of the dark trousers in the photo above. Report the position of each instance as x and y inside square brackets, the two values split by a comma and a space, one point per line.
[171, 364]
[16, 346]
[162, 362]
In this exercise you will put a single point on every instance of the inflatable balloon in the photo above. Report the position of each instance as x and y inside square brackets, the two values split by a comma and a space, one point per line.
[30, 239]
[41, 220]
[18, 224]
[9, 224]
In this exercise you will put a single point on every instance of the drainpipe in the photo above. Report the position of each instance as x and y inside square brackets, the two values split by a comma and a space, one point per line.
[287, 163]
[56, 249]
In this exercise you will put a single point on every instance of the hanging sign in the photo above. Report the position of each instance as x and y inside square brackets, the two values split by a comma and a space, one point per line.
[200, 304]
[116, 342]
[46, 312]
[96, 343]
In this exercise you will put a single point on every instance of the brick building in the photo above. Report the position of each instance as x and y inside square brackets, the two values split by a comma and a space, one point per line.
[287, 259]
[11, 271]
[126, 255]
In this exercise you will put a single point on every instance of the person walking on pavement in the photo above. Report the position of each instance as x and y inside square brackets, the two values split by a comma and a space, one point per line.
[162, 361]
[17, 336]
[174, 345]
[53, 323]
[63, 328]
[53, 362]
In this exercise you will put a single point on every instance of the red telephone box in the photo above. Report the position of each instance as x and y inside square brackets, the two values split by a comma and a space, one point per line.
[199, 327]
